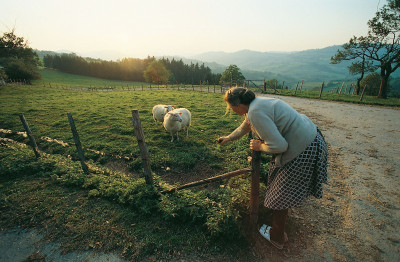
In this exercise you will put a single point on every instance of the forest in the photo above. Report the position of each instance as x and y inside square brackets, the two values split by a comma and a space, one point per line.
[129, 69]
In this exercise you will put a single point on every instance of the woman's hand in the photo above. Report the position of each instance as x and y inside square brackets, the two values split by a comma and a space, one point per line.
[222, 140]
[257, 145]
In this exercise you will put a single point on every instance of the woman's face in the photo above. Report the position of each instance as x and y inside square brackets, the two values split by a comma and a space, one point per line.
[240, 109]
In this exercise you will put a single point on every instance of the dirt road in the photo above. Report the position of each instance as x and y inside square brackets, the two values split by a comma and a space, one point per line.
[358, 219]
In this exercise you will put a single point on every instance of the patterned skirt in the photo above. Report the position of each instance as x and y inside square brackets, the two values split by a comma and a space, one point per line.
[290, 184]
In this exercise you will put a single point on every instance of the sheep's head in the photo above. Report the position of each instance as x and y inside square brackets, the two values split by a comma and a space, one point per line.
[175, 116]
[169, 108]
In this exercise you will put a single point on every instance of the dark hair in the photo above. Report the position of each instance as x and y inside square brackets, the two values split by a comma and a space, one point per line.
[239, 95]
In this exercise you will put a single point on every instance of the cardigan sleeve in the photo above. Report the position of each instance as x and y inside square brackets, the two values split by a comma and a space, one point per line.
[268, 131]
[243, 129]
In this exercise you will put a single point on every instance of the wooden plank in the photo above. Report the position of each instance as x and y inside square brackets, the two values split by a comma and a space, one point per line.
[322, 88]
[362, 94]
[295, 91]
[142, 146]
[30, 135]
[341, 88]
[77, 143]
[209, 180]
[255, 189]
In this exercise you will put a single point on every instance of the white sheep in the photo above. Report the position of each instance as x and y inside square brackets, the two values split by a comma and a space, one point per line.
[176, 120]
[159, 112]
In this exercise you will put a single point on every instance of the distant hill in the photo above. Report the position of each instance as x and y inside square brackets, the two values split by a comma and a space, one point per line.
[308, 65]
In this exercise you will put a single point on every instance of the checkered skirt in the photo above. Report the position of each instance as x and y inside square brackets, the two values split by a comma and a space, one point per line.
[291, 183]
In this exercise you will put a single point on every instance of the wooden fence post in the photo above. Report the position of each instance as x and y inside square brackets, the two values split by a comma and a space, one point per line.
[142, 146]
[255, 189]
[322, 88]
[30, 135]
[362, 93]
[265, 86]
[295, 91]
[301, 85]
[341, 88]
[77, 143]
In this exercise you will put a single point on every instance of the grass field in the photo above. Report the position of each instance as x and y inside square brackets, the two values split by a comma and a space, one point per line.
[104, 123]
[52, 192]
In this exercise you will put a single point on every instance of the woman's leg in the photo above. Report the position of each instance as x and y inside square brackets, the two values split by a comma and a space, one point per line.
[277, 231]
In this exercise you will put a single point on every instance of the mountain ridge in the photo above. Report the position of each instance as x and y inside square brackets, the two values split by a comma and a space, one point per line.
[312, 65]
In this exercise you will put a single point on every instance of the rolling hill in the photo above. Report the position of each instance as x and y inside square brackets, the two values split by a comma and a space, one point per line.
[308, 65]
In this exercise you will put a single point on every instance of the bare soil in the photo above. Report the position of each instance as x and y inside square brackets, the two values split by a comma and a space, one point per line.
[358, 219]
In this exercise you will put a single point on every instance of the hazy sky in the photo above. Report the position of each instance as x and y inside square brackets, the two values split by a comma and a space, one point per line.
[185, 27]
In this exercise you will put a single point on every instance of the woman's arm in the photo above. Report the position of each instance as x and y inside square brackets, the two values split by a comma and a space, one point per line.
[274, 142]
[243, 129]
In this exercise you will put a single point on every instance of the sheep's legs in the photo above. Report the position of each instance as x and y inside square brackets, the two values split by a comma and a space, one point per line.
[172, 137]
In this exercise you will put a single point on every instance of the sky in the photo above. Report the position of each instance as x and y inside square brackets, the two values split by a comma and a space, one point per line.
[132, 28]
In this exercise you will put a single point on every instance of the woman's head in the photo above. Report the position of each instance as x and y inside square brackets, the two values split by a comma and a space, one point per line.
[238, 99]
[239, 95]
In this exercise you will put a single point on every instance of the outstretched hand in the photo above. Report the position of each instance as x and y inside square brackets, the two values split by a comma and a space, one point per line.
[223, 140]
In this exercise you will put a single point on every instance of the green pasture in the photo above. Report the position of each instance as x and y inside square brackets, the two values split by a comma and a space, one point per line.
[57, 79]
[104, 123]
[130, 219]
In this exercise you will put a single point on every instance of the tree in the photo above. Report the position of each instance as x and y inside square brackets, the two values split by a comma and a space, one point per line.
[385, 31]
[371, 83]
[18, 59]
[156, 73]
[233, 75]
[380, 49]
[355, 51]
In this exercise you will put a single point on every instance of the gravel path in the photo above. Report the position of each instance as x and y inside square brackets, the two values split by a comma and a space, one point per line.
[359, 217]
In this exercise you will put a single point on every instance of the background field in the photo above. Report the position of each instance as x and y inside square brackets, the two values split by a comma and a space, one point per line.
[103, 120]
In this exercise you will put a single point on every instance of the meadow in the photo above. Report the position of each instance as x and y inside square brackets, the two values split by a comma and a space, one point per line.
[104, 123]
[52, 192]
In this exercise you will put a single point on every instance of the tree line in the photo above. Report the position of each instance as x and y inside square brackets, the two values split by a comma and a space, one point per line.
[133, 69]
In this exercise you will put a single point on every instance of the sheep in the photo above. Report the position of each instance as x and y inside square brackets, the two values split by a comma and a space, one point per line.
[176, 120]
[159, 112]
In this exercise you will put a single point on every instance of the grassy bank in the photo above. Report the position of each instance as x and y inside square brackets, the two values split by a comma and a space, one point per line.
[333, 96]
[110, 212]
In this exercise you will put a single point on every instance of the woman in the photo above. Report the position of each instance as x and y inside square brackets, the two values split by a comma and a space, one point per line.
[299, 154]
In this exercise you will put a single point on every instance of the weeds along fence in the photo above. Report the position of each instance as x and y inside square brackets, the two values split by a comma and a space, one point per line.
[318, 89]
[254, 169]
[206, 87]
[137, 87]
[298, 89]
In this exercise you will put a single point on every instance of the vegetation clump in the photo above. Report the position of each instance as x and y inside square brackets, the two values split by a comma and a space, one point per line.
[18, 62]
[212, 210]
